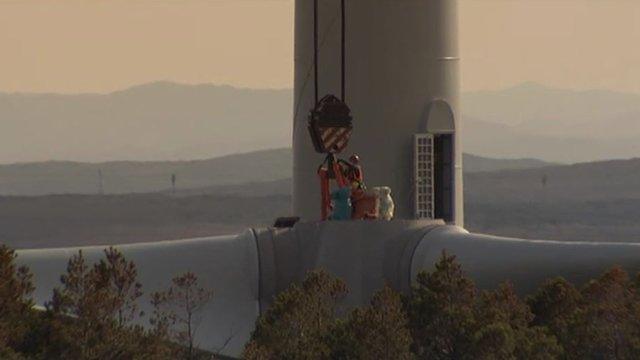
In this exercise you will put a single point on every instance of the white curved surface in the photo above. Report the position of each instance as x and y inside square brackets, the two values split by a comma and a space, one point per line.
[365, 254]
[490, 260]
[227, 265]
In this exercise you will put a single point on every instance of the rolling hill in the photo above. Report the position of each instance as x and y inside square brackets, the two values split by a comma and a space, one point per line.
[597, 201]
[143, 177]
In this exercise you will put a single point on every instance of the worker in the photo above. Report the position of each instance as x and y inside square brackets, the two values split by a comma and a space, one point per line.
[352, 171]
[332, 169]
[363, 204]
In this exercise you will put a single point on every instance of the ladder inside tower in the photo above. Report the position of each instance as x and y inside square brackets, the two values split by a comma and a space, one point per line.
[433, 176]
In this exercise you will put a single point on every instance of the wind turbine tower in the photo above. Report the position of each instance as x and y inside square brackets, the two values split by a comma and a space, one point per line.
[402, 85]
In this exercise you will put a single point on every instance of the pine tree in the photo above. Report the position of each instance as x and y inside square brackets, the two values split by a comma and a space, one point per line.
[449, 319]
[93, 310]
[16, 312]
[378, 331]
[606, 326]
[176, 311]
[300, 322]
[554, 305]
[504, 329]
[441, 311]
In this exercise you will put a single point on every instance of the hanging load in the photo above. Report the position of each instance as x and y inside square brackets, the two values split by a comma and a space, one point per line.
[330, 125]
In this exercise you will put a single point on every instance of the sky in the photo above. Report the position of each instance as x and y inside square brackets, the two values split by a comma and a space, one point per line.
[76, 46]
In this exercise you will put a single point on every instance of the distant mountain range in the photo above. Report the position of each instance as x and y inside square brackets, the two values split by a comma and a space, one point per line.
[168, 121]
[224, 174]
[568, 126]
[159, 121]
[539, 110]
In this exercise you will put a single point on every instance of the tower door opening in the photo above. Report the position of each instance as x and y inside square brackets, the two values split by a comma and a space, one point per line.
[443, 176]
[433, 176]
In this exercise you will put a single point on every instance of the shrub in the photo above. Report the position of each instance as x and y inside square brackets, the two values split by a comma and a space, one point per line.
[176, 312]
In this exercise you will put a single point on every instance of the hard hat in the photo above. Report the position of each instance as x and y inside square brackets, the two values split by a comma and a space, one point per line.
[354, 159]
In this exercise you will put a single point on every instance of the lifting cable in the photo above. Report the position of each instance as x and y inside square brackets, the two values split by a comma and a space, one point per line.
[342, 50]
[343, 55]
[315, 48]
[322, 39]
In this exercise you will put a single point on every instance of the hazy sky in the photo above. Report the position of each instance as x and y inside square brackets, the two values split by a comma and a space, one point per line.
[101, 46]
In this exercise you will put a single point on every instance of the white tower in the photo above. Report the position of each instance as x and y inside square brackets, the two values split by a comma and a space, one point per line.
[402, 81]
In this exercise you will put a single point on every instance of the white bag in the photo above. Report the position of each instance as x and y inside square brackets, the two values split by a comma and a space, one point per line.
[386, 206]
